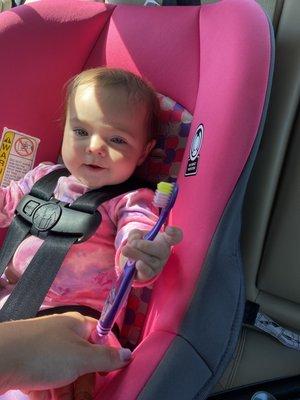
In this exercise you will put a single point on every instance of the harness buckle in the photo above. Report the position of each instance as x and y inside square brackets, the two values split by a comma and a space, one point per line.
[54, 216]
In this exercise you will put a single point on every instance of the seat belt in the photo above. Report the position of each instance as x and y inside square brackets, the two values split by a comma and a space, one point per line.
[60, 225]
[254, 317]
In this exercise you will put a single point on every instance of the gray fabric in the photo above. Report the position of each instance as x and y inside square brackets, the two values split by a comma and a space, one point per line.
[181, 367]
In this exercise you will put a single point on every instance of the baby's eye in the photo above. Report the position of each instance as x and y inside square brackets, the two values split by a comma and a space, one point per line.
[118, 140]
[80, 132]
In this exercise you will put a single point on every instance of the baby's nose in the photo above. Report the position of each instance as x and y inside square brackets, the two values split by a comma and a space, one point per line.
[97, 145]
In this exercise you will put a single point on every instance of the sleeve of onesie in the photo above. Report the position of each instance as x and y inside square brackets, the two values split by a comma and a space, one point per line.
[134, 210]
[12, 194]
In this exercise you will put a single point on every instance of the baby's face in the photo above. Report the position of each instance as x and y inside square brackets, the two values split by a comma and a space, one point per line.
[105, 137]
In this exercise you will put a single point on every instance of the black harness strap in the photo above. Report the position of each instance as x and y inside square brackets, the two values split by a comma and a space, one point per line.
[32, 288]
[67, 226]
[44, 187]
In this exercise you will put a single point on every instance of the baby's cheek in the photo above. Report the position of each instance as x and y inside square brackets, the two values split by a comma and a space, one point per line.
[115, 155]
[122, 157]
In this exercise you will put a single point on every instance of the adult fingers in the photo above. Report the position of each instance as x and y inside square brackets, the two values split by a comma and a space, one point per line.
[78, 323]
[91, 357]
[102, 358]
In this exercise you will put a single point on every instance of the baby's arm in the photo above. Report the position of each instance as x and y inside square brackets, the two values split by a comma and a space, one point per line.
[9, 199]
[135, 216]
[150, 256]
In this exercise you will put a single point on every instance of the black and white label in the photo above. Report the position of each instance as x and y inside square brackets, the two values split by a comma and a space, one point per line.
[192, 165]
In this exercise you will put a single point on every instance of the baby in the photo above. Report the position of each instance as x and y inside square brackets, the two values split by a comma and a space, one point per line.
[110, 127]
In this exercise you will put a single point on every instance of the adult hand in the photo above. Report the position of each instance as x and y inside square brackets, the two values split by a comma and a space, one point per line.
[51, 352]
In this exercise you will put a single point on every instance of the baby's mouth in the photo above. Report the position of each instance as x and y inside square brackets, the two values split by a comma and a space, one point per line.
[94, 167]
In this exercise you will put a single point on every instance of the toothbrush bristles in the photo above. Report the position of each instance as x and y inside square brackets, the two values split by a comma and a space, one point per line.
[162, 194]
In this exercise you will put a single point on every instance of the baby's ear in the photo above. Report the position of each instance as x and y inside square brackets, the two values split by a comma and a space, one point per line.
[148, 147]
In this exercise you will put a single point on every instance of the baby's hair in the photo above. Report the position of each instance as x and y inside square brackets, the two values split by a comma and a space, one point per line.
[138, 90]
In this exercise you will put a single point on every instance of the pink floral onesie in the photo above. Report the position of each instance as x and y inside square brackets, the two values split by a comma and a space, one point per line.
[89, 268]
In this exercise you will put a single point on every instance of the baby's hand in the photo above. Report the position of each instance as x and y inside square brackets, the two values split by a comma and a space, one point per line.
[150, 256]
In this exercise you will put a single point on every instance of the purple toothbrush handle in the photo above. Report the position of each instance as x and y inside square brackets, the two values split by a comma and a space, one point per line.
[116, 298]
[118, 295]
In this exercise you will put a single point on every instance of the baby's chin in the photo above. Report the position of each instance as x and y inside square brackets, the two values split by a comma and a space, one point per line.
[94, 183]
[91, 185]
[90, 181]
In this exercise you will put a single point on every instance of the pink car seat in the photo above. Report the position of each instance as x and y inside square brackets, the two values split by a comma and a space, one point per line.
[214, 60]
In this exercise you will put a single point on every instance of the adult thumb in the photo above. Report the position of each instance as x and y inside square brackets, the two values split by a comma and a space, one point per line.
[105, 358]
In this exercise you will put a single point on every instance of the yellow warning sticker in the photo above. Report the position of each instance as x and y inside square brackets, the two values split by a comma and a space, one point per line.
[17, 155]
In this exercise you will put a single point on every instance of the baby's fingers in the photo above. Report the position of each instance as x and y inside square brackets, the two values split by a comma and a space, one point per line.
[145, 272]
[135, 234]
[173, 235]
[141, 250]
[147, 265]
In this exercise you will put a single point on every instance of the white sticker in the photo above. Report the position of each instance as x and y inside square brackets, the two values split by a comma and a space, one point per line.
[192, 165]
[17, 155]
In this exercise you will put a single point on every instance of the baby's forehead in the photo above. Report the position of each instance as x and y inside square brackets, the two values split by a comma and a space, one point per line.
[128, 97]
[108, 106]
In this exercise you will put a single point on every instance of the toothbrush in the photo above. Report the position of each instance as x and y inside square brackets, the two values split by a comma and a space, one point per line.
[164, 199]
